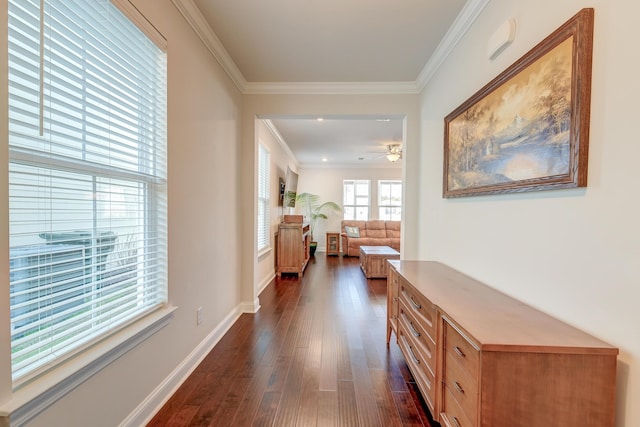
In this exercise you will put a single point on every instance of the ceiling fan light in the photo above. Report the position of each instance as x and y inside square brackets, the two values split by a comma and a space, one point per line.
[393, 157]
[394, 152]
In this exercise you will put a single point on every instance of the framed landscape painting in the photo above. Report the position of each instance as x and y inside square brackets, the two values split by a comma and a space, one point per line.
[528, 129]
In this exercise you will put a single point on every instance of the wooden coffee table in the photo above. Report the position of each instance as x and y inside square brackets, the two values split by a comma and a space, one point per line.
[373, 260]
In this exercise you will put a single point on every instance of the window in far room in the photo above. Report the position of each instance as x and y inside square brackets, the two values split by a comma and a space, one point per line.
[264, 203]
[356, 199]
[389, 200]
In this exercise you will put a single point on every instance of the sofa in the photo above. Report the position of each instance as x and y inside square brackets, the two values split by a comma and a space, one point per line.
[368, 233]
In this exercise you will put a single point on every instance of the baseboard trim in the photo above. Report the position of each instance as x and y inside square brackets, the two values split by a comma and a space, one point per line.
[250, 307]
[154, 402]
[267, 280]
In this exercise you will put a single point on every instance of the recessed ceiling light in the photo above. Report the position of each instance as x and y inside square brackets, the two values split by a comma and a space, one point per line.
[320, 119]
[324, 159]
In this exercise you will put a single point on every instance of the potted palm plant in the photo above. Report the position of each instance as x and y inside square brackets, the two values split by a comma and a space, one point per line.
[314, 210]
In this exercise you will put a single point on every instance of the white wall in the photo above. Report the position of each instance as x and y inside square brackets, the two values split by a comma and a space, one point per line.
[572, 253]
[204, 232]
[327, 183]
[280, 159]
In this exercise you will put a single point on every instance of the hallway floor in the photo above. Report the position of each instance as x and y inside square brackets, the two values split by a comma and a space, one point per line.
[314, 355]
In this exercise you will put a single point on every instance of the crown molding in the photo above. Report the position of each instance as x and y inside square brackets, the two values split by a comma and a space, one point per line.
[458, 29]
[283, 144]
[331, 88]
[460, 26]
[196, 20]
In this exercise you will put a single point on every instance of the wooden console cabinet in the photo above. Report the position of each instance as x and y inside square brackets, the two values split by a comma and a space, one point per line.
[483, 359]
[293, 248]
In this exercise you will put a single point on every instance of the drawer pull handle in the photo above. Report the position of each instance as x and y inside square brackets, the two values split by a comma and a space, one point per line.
[456, 422]
[414, 331]
[459, 352]
[413, 356]
[458, 387]
[415, 304]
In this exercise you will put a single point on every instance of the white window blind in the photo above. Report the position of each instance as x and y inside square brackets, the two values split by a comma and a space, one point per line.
[87, 177]
[355, 198]
[390, 200]
[264, 202]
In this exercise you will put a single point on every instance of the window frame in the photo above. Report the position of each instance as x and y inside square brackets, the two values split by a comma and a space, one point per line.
[263, 200]
[390, 206]
[27, 400]
[346, 204]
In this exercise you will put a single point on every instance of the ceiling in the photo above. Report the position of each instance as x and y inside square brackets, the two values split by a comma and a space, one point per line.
[266, 46]
[341, 141]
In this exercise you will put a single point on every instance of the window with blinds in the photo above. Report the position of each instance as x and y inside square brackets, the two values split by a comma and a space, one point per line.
[264, 200]
[87, 177]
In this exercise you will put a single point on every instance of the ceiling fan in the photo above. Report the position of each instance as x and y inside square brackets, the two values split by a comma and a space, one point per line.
[394, 152]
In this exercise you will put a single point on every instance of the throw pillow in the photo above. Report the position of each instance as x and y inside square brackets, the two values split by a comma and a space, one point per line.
[352, 231]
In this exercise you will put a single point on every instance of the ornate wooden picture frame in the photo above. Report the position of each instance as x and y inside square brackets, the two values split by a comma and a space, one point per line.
[528, 129]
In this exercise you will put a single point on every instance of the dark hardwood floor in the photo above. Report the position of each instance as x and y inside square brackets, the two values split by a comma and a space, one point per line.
[314, 355]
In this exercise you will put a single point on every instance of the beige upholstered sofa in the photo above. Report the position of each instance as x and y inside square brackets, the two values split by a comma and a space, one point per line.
[371, 233]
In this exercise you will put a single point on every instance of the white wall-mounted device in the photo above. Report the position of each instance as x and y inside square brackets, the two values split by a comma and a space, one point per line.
[501, 38]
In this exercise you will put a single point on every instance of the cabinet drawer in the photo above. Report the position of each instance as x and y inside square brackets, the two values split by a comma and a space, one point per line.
[462, 350]
[421, 373]
[424, 345]
[462, 386]
[452, 413]
[424, 312]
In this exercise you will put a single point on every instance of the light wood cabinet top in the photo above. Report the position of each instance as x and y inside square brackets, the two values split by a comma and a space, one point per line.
[494, 320]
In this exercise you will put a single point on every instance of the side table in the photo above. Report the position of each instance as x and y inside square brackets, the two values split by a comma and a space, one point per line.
[333, 243]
